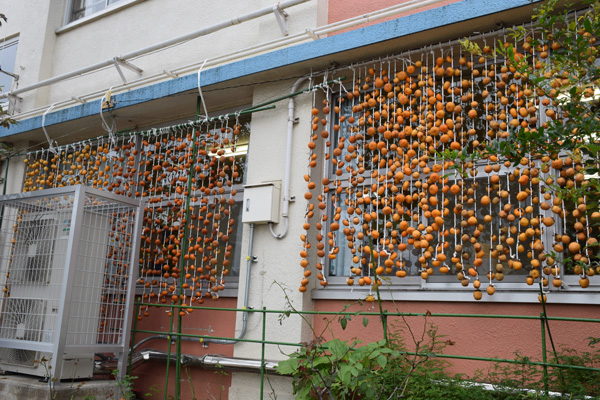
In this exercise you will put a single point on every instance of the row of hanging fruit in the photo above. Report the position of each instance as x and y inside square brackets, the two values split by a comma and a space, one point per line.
[403, 180]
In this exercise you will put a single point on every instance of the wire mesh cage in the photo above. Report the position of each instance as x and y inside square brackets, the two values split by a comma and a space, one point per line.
[68, 267]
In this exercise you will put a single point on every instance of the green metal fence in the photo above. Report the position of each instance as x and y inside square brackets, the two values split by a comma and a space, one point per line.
[543, 318]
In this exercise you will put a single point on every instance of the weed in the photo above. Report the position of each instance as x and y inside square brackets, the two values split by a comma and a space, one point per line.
[125, 385]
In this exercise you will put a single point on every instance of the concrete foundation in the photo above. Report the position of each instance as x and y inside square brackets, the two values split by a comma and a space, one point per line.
[19, 387]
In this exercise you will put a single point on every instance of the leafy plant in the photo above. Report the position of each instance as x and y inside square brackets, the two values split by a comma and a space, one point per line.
[566, 84]
[577, 382]
[125, 385]
[526, 377]
[338, 369]
[153, 390]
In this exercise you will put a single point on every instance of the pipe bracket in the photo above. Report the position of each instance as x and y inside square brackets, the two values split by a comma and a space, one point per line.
[312, 34]
[282, 19]
[119, 62]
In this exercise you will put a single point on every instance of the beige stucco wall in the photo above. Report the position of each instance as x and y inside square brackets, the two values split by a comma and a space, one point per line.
[47, 51]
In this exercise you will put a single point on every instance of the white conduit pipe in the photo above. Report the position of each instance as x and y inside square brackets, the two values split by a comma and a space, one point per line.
[288, 164]
[179, 39]
[249, 261]
[206, 361]
[249, 51]
[303, 36]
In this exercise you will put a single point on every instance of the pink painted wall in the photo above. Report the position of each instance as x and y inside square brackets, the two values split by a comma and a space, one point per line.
[340, 10]
[205, 384]
[477, 337]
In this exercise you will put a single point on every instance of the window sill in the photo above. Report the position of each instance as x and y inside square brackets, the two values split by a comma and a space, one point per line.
[100, 14]
[449, 292]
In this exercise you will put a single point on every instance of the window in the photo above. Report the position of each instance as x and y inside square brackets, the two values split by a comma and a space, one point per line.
[8, 56]
[409, 193]
[78, 9]
[215, 201]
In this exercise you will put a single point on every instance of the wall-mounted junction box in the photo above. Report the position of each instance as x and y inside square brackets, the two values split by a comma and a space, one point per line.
[261, 203]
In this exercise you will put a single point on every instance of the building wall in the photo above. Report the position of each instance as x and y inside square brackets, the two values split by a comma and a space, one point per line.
[475, 337]
[203, 383]
[46, 50]
[340, 10]
[276, 273]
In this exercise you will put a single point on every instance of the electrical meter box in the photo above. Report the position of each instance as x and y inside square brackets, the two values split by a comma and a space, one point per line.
[261, 203]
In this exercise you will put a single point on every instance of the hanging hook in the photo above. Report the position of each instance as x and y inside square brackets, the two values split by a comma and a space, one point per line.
[200, 89]
[108, 128]
[51, 143]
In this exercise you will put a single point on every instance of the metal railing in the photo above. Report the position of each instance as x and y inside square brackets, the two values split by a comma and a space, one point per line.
[543, 318]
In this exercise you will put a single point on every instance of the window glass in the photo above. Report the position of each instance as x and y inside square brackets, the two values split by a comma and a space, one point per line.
[408, 260]
[8, 56]
[83, 8]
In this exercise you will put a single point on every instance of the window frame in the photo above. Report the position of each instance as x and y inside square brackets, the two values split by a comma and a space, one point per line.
[69, 24]
[7, 43]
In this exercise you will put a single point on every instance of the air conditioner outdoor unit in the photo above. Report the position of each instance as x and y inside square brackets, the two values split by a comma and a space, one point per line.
[67, 276]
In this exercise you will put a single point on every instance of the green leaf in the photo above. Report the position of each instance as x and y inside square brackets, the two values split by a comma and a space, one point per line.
[343, 323]
[337, 348]
[374, 354]
[365, 321]
[304, 393]
[286, 367]
[320, 361]
[345, 374]
[381, 360]
[587, 24]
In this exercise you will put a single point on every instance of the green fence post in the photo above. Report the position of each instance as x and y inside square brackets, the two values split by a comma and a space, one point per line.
[544, 358]
[385, 325]
[262, 354]
[169, 337]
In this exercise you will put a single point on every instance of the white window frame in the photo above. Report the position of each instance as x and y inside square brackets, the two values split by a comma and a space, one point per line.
[117, 5]
[4, 44]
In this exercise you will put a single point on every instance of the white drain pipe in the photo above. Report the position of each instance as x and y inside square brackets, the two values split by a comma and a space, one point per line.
[288, 164]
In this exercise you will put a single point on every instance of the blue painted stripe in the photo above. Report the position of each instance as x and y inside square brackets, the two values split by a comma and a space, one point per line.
[411, 24]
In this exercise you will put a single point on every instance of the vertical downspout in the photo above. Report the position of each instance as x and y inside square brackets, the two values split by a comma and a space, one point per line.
[288, 164]
[250, 260]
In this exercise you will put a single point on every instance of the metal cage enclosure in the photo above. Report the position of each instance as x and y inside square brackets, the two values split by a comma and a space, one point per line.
[68, 269]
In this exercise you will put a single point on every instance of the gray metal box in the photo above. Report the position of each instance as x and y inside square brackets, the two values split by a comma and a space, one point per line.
[261, 203]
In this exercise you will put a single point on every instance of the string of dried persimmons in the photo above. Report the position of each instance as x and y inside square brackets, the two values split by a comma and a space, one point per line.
[158, 167]
[409, 186]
